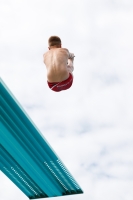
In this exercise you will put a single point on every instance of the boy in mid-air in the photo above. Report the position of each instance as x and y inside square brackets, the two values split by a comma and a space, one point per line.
[59, 64]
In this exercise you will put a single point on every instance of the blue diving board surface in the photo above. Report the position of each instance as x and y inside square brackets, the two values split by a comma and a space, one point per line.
[26, 157]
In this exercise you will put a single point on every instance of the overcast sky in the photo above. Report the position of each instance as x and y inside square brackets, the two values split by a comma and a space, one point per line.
[90, 126]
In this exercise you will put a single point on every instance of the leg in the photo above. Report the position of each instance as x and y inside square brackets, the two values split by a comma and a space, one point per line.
[70, 65]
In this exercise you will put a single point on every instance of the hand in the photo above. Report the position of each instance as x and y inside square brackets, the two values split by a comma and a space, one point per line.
[71, 55]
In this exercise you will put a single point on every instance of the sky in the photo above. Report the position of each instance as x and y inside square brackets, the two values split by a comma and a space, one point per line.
[89, 126]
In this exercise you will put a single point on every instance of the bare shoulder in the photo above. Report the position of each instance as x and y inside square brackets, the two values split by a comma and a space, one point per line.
[44, 55]
[64, 51]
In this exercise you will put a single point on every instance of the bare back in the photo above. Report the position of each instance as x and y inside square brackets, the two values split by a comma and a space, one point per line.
[56, 63]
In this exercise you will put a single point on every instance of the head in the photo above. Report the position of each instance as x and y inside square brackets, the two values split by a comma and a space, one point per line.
[54, 42]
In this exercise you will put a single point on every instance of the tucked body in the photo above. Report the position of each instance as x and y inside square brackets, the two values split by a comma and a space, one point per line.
[59, 64]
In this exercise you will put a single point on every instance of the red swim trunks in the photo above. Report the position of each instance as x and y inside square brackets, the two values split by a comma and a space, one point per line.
[63, 85]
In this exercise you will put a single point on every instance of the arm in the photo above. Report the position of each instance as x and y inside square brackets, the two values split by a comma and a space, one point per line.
[70, 68]
[70, 62]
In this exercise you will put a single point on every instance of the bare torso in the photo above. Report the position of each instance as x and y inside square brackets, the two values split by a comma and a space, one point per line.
[56, 63]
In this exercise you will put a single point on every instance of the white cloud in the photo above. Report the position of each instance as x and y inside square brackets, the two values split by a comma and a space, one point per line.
[90, 125]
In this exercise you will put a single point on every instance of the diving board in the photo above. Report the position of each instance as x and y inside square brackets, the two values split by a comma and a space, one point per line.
[26, 157]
